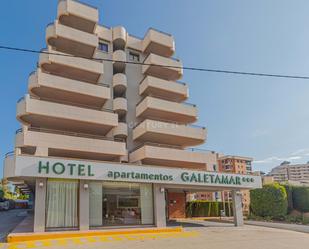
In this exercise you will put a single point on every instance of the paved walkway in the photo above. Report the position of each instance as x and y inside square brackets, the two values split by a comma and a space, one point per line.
[197, 235]
[292, 227]
[9, 220]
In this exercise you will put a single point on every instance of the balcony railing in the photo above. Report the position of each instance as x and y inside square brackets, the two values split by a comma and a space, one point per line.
[172, 58]
[69, 103]
[163, 98]
[77, 1]
[162, 32]
[70, 133]
[9, 154]
[156, 145]
[177, 81]
[168, 121]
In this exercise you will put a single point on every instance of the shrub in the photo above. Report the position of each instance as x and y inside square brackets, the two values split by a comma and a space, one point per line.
[301, 198]
[207, 208]
[269, 201]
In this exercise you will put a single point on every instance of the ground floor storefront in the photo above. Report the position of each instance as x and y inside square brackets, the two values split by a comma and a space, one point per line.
[85, 195]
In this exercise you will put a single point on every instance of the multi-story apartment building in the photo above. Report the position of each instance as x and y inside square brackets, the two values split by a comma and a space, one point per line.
[291, 172]
[105, 128]
[239, 165]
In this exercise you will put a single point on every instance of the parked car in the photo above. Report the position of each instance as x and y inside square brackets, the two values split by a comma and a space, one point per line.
[4, 205]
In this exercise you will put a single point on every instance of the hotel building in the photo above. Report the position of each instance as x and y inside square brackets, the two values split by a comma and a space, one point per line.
[105, 131]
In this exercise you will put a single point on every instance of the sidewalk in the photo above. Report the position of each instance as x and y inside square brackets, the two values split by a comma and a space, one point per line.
[292, 227]
[9, 220]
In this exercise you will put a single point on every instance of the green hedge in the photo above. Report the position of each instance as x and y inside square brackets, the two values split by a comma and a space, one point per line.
[301, 198]
[271, 200]
[207, 208]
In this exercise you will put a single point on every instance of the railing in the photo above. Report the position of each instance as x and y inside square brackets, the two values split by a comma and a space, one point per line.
[162, 32]
[71, 133]
[32, 73]
[200, 150]
[69, 103]
[172, 58]
[178, 82]
[20, 130]
[135, 36]
[77, 1]
[11, 153]
[157, 145]
[50, 24]
[168, 121]
[20, 99]
[163, 98]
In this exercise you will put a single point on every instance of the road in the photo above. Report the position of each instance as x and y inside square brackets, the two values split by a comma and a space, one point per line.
[9, 220]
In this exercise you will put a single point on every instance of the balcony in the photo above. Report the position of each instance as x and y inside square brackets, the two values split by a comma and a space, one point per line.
[78, 15]
[174, 91]
[155, 108]
[119, 61]
[121, 131]
[69, 144]
[72, 41]
[162, 67]
[59, 116]
[119, 83]
[71, 67]
[158, 42]
[161, 155]
[119, 38]
[120, 106]
[169, 133]
[50, 86]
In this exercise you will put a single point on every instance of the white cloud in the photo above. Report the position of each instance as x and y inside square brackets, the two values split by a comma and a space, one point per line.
[275, 159]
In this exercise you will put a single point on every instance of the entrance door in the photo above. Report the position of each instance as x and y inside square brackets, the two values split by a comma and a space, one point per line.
[121, 205]
[176, 202]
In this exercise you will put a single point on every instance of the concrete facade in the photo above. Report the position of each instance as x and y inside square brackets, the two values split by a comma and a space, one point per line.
[91, 100]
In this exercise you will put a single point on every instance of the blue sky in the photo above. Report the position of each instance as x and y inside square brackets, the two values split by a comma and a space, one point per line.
[266, 118]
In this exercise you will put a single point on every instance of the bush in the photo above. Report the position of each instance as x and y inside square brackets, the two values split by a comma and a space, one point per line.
[301, 198]
[207, 208]
[269, 201]
[289, 192]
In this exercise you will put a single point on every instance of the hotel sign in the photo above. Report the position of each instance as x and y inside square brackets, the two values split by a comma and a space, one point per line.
[76, 169]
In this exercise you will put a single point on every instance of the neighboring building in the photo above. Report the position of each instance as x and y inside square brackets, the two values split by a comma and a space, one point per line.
[291, 172]
[239, 165]
[105, 125]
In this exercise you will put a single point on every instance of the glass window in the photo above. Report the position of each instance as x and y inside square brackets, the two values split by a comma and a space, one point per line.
[134, 57]
[118, 203]
[103, 46]
[62, 203]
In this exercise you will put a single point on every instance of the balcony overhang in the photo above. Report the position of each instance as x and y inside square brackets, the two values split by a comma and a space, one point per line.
[169, 157]
[78, 15]
[72, 41]
[162, 67]
[51, 115]
[70, 145]
[158, 42]
[156, 108]
[50, 86]
[174, 91]
[71, 67]
[169, 133]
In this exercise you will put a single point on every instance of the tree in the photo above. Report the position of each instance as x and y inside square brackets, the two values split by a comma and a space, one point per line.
[271, 200]
[301, 199]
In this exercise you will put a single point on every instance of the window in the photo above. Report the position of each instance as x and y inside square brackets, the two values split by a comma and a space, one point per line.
[61, 203]
[103, 47]
[117, 203]
[134, 57]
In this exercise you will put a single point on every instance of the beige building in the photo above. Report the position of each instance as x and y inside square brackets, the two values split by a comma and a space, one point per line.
[105, 131]
[291, 172]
